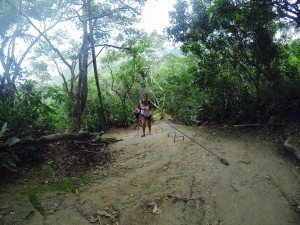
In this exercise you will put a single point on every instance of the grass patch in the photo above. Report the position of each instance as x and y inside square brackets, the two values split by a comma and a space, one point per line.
[35, 203]
[38, 181]
[63, 185]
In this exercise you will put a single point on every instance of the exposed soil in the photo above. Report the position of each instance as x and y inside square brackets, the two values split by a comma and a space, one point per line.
[75, 158]
[168, 178]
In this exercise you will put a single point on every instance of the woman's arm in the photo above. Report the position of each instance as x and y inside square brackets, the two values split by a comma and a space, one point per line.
[142, 105]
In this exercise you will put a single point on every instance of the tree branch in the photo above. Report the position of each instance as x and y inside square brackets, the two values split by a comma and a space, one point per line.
[48, 41]
[113, 46]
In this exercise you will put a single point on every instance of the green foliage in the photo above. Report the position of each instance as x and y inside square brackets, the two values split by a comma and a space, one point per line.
[35, 113]
[8, 159]
[294, 57]
[28, 116]
[242, 71]
[59, 103]
[127, 75]
[92, 120]
[174, 88]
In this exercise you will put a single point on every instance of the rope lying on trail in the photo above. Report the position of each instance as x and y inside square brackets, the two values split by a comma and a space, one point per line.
[224, 161]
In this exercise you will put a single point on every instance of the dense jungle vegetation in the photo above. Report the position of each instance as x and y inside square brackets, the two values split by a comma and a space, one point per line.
[238, 63]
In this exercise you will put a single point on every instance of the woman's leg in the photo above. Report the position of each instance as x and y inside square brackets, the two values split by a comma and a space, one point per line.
[149, 125]
[143, 125]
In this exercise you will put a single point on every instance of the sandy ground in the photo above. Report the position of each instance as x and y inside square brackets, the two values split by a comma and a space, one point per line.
[168, 179]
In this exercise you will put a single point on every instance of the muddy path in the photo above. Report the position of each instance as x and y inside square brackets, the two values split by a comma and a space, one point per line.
[159, 179]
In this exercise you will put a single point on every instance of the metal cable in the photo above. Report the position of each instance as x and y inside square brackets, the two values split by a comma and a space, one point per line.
[220, 158]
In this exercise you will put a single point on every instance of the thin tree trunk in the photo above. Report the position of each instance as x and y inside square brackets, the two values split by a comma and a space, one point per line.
[101, 106]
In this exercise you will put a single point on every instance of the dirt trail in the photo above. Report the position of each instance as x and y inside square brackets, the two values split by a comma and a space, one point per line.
[155, 180]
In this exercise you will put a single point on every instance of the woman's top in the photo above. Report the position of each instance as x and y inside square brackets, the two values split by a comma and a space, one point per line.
[145, 108]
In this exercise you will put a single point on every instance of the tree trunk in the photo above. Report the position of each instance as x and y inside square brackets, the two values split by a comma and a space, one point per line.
[82, 87]
[101, 106]
[60, 137]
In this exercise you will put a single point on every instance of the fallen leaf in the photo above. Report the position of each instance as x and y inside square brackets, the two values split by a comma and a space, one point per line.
[158, 212]
[93, 220]
[154, 209]
[103, 213]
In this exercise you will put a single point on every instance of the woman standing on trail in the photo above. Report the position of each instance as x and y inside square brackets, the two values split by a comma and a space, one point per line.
[146, 112]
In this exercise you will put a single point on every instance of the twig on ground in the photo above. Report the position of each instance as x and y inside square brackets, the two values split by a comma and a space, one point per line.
[234, 188]
[244, 162]
[90, 151]
[185, 199]
[87, 143]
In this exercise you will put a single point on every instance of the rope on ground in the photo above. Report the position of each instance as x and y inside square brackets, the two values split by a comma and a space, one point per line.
[224, 161]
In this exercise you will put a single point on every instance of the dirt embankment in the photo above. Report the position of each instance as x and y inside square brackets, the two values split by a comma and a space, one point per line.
[173, 178]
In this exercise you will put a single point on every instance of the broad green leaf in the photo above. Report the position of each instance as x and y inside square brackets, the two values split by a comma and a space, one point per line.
[3, 129]
[11, 141]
